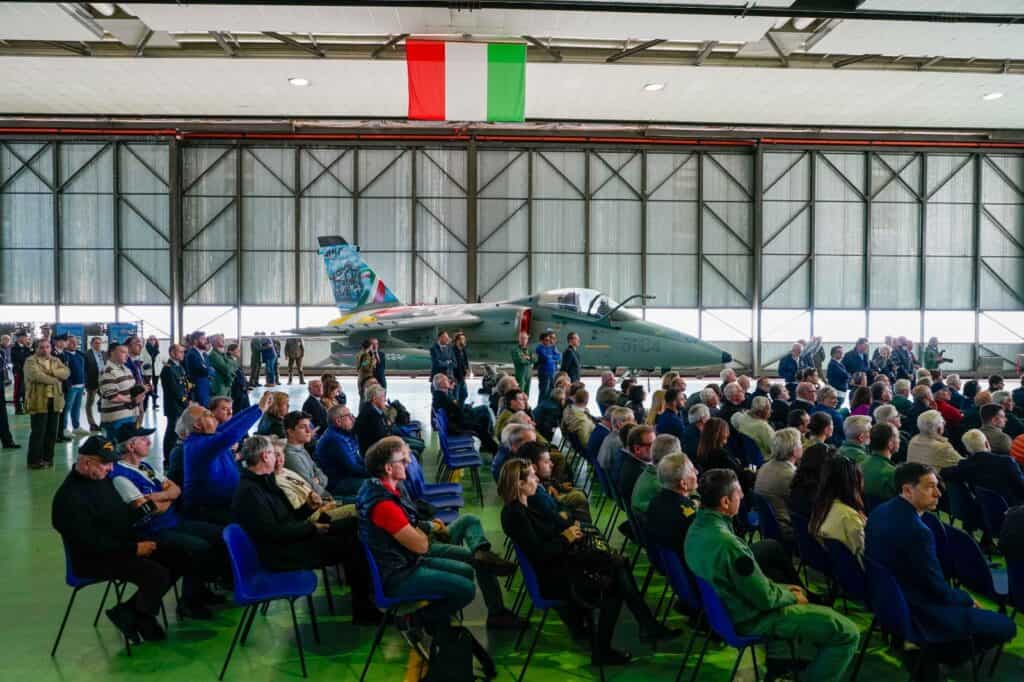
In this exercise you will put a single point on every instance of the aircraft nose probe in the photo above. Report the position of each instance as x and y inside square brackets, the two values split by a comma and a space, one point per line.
[726, 358]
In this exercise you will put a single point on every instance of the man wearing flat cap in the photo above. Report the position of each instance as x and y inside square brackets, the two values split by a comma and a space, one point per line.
[140, 486]
[100, 537]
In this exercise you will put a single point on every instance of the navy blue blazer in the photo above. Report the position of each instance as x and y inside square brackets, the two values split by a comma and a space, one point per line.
[670, 422]
[571, 363]
[999, 473]
[897, 538]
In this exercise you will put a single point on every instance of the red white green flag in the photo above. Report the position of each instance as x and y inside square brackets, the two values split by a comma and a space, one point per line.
[466, 81]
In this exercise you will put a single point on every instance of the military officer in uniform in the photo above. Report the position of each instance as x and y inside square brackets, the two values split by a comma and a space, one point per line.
[523, 360]
[176, 387]
[756, 604]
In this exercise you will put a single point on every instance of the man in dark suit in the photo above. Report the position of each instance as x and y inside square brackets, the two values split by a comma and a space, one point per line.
[175, 387]
[314, 408]
[372, 424]
[897, 538]
[571, 357]
[780, 406]
[983, 468]
[95, 361]
[197, 366]
[670, 421]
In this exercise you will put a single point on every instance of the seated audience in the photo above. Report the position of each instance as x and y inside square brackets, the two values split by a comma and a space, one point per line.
[635, 457]
[670, 421]
[272, 421]
[372, 423]
[860, 402]
[837, 375]
[696, 418]
[804, 487]
[899, 540]
[337, 453]
[941, 394]
[562, 572]
[878, 468]
[210, 471]
[646, 486]
[619, 416]
[657, 407]
[462, 419]
[819, 430]
[838, 510]
[753, 423]
[576, 420]
[901, 396]
[548, 415]
[758, 605]
[930, 447]
[141, 487]
[514, 437]
[607, 394]
[597, 436]
[301, 495]
[712, 453]
[827, 403]
[561, 497]
[888, 414]
[858, 432]
[993, 421]
[923, 402]
[314, 407]
[733, 400]
[799, 420]
[299, 431]
[775, 477]
[637, 396]
[779, 395]
[673, 508]
[100, 537]
[1014, 426]
[987, 469]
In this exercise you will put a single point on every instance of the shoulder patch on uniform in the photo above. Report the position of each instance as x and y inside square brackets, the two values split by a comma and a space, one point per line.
[687, 511]
[744, 566]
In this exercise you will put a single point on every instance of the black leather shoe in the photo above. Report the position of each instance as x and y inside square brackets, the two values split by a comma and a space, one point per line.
[195, 611]
[123, 617]
[150, 630]
[612, 657]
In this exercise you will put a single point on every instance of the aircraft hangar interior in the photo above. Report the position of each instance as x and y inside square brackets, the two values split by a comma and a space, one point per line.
[798, 221]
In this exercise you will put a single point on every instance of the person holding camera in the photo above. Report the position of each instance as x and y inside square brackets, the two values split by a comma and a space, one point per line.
[933, 358]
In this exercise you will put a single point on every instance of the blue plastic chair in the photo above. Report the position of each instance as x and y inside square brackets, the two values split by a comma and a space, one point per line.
[751, 453]
[681, 580]
[767, 521]
[993, 509]
[389, 605]
[77, 583]
[847, 571]
[538, 601]
[721, 623]
[255, 586]
[418, 488]
[811, 552]
[455, 457]
[892, 615]
[941, 543]
[972, 571]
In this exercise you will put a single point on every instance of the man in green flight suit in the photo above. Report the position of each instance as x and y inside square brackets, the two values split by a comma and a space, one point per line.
[756, 604]
[523, 359]
[878, 469]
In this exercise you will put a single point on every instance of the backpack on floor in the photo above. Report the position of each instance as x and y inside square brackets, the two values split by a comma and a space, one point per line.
[451, 656]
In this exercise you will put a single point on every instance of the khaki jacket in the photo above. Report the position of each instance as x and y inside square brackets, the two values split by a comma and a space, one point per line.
[43, 377]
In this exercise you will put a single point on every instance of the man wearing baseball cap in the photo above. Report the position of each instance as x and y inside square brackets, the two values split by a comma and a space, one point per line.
[99, 535]
[142, 488]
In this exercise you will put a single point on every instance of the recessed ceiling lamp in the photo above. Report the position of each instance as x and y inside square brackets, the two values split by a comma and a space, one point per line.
[654, 87]
[991, 96]
[298, 81]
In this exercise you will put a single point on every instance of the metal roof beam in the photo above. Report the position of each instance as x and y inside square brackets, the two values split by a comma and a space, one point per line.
[314, 49]
[622, 54]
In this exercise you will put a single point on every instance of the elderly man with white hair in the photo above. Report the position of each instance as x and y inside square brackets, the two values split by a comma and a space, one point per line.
[888, 414]
[775, 476]
[513, 437]
[696, 417]
[985, 469]
[901, 396]
[858, 432]
[1014, 427]
[754, 424]
[672, 510]
[930, 447]
[790, 364]
[607, 394]
[618, 416]
[646, 486]
[828, 401]
[734, 399]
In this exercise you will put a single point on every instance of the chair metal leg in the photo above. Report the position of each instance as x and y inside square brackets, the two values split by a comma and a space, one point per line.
[753, 656]
[103, 602]
[475, 473]
[736, 665]
[666, 603]
[522, 631]
[917, 664]
[67, 612]
[234, 640]
[266, 607]
[327, 589]
[863, 650]
[689, 650]
[700, 659]
[592, 618]
[163, 615]
[248, 624]
[533, 645]
[298, 637]
[312, 618]
[376, 642]
[119, 590]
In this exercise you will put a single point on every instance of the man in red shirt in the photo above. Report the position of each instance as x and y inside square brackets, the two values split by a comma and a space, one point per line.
[418, 556]
[942, 395]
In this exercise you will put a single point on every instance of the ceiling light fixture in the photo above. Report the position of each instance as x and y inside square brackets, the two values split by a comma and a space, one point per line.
[298, 81]
[654, 87]
[991, 96]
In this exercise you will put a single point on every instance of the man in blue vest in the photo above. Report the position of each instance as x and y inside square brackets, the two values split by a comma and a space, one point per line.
[141, 487]
[197, 367]
[337, 453]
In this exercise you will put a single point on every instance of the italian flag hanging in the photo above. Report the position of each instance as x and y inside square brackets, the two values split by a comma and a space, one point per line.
[466, 81]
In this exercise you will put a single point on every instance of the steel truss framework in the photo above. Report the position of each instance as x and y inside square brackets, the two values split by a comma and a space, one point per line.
[133, 222]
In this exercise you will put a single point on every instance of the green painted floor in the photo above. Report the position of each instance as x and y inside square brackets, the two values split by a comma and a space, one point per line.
[33, 595]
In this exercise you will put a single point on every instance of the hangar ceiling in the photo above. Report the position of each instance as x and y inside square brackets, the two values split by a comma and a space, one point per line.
[911, 64]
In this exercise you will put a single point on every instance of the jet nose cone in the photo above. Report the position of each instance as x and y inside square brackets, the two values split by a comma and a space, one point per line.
[726, 358]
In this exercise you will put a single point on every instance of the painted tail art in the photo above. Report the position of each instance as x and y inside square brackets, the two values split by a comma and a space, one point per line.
[354, 284]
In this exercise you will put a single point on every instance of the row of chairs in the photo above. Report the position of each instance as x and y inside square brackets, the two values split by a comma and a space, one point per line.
[456, 453]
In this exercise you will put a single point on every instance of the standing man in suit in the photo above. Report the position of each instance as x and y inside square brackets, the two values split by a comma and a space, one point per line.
[6, 439]
[197, 366]
[897, 538]
[174, 383]
[255, 346]
[442, 359]
[571, 357]
[380, 369]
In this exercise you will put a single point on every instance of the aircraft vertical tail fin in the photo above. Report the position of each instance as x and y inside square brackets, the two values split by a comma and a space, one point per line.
[354, 284]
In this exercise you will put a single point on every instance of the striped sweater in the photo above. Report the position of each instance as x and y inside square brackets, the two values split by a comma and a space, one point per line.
[115, 380]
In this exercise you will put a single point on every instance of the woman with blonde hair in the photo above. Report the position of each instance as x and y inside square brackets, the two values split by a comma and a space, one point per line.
[657, 407]
[272, 422]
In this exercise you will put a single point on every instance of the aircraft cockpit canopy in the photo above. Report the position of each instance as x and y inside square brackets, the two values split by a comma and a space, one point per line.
[588, 302]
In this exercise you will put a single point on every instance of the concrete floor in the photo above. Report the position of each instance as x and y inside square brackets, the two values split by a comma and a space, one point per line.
[34, 596]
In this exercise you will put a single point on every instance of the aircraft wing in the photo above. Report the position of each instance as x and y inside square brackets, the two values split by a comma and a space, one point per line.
[390, 320]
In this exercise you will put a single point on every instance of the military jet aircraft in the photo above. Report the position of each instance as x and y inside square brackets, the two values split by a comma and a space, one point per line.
[610, 335]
